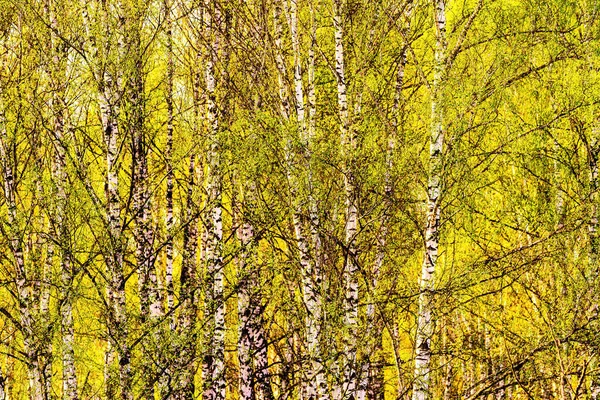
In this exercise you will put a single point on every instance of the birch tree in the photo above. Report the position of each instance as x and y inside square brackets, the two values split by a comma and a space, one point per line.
[350, 272]
[213, 369]
[60, 137]
[316, 386]
[255, 379]
[8, 157]
[107, 70]
[426, 313]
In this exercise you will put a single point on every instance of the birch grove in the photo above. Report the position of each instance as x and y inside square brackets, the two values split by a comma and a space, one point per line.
[299, 200]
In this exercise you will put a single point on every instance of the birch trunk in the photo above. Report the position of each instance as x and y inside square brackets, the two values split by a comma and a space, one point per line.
[168, 376]
[246, 285]
[23, 284]
[301, 240]
[246, 387]
[114, 259]
[59, 109]
[33, 248]
[315, 349]
[371, 386]
[214, 382]
[169, 162]
[594, 235]
[262, 376]
[348, 139]
[67, 277]
[255, 381]
[109, 82]
[187, 316]
[107, 119]
[150, 309]
[41, 278]
[118, 331]
[316, 384]
[421, 385]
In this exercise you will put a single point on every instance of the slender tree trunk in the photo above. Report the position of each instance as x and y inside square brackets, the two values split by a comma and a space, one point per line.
[189, 285]
[168, 376]
[350, 273]
[316, 349]
[425, 318]
[169, 161]
[109, 82]
[23, 285]
[41, 278]
[594, 235]
[316, 384]
[244, 344]
[208, 391]
[284, 91]
[293, 181]
[371, 386]
[246, 276]
[150, 308]
[214, 383]
[67, 277]
[59, 108]
[117, 324]
[24, 288]
[255, 382]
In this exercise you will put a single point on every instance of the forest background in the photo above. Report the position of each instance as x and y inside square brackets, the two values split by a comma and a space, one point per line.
[296, 199]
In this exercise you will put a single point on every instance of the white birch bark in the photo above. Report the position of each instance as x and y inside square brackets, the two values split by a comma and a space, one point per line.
[262, 375]
[214, 383]
[594, 234]
[150, 307]
[16, 248]
[109, 101]
[255, 382]
[316, 384]
[67, 276]
[187, 317]
[109, 82]
[371, 386]
[284, 91]
[246, 276]
[42, 280]
[91, 48]
[169, 162]
[23, 285]
[425, 316]
[59, 108]
[168, 374]
[348, 140]
[114, 259]
[299, 232]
